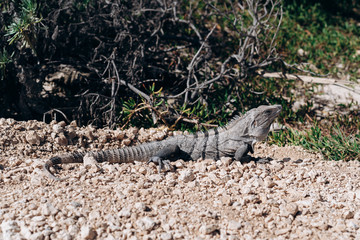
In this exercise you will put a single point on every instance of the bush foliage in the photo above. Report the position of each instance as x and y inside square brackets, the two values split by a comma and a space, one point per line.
[91, 59]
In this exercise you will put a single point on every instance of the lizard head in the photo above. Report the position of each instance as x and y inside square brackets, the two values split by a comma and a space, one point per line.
[259, 120]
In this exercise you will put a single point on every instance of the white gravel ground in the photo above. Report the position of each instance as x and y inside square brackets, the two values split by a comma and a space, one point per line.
[287, 193]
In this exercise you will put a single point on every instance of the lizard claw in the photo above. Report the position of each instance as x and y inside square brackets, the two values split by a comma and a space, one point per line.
[161, 163]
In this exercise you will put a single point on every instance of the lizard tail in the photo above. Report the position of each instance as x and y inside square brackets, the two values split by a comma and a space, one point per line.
[76, 157]
[50, 163]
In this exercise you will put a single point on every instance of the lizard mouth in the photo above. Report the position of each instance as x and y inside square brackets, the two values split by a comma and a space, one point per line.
[271, 117]
[278, 109]
[276, 113]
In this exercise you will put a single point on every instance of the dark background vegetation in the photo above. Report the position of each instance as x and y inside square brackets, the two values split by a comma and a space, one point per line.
[121, 63]
[97, 61]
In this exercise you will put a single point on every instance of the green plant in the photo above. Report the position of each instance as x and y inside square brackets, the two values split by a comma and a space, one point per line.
[4, 5]
[5, 59]
[23, 28]
[330, 42]
[333, 146]
[140, 113]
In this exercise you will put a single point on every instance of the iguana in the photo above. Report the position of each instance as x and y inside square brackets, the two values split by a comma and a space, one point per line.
[235, 140]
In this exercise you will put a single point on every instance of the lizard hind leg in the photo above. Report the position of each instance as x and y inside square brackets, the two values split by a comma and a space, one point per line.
[163, 156]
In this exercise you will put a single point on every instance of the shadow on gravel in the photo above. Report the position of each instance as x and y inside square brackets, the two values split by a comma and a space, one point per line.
[259, 160]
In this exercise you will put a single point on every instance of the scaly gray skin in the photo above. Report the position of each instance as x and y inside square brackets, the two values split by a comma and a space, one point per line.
[235, 140]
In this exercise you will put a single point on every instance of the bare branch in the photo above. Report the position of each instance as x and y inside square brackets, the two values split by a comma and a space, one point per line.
[355, 87]
[52, 113]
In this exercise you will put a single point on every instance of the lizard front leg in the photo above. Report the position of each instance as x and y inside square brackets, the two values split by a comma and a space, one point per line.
[163, 155]
[243, 151]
